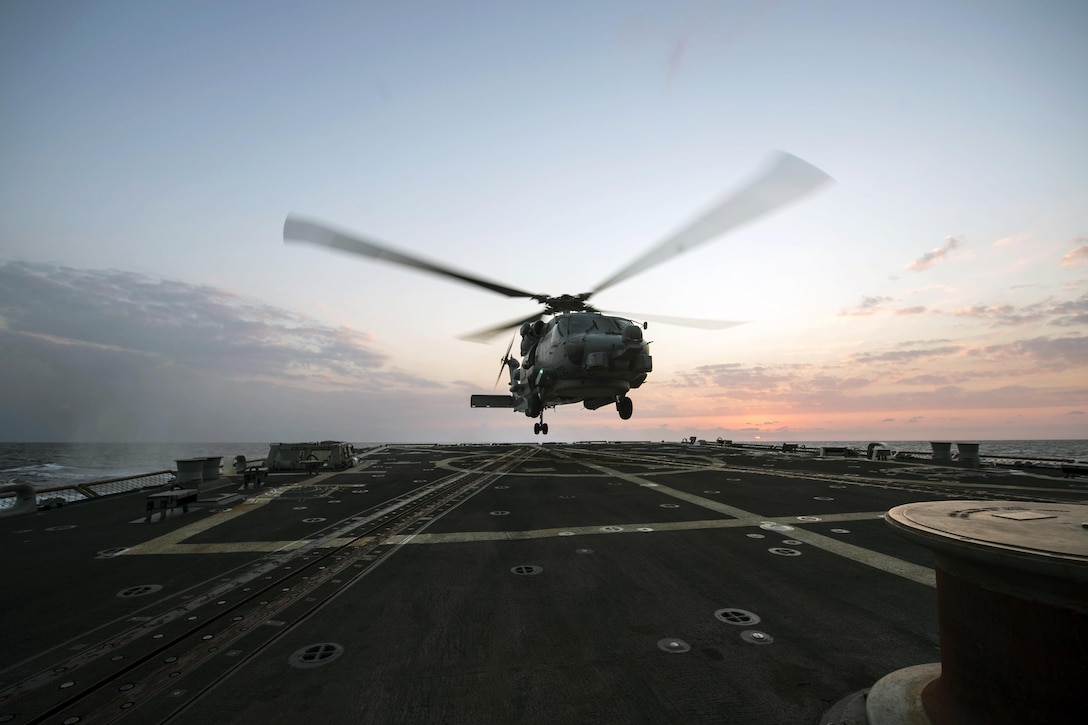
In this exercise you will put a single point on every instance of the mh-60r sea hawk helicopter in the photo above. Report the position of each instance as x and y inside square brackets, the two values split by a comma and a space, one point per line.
[581, 354]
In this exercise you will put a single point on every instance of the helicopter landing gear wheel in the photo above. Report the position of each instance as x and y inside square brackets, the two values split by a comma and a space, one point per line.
[540, 427]
[625, 407]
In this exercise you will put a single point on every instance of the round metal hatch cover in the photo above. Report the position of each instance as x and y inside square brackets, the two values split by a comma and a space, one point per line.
[527, 569]
[732, 615]
[139, 590]
[782, 551]
[315, 655]
[674, 645]
[753, 636]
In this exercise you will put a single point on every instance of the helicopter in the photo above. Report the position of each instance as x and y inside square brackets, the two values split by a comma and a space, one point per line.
[583, 354]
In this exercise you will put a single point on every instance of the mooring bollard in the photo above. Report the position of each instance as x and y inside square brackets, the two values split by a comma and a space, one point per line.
[942, 451]
[1012, 605]
[969, 457]
[190, 470]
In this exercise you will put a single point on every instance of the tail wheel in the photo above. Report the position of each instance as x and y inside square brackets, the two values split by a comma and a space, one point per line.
[625, 407]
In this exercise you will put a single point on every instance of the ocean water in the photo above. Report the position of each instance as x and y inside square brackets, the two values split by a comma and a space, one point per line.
[52, 465]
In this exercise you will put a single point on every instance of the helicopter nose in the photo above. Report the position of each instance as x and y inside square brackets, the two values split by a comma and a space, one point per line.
[632, 335]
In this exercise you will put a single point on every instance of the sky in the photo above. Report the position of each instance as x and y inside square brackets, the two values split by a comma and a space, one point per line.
[938, 289]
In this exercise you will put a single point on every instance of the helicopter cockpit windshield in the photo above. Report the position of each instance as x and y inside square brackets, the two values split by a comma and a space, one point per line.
[581, 324]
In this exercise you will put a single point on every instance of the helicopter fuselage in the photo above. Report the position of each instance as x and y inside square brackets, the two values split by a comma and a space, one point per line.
[577, 357]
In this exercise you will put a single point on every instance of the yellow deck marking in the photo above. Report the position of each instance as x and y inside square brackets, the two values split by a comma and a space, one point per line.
[884, 562]
[173, 542]
[168, 543]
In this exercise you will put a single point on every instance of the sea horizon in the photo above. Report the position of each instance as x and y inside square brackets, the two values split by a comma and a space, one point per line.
[58, 464]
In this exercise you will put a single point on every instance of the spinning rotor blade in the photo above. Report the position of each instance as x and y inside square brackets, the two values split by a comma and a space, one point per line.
[486, 335]
[696, 322]
[788, 179]
[301, 230]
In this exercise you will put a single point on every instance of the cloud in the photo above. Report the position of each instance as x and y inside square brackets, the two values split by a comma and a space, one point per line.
[183, 325]
[904, 344]
[1076, 257]
[926, 379]
[998, 314]
[870, 306]
[930, 258]
[111, 355]
[739, 378]
[1070, 312]
[899, 382]
[1046, 353]
[906, 356]
[1064, 313]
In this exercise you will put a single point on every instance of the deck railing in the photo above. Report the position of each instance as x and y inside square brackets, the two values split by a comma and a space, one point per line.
[96, 489]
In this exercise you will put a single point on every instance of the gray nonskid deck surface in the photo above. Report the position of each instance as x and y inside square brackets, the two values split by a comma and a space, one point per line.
[580, 585]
